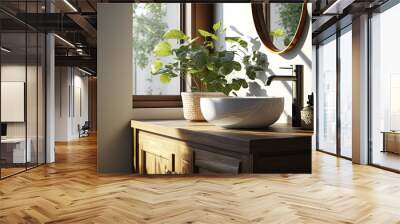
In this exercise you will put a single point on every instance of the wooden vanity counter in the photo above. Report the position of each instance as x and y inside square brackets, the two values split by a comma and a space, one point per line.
[184, 147]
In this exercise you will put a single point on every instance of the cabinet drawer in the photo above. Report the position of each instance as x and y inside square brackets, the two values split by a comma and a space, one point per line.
[165, 154]
[209, 162]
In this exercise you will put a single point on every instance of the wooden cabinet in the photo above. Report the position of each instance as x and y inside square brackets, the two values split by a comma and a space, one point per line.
[391, 142]
[182, 147]
[160, 155]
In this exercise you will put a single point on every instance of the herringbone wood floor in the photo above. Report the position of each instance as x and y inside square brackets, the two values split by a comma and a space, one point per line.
[70, 191]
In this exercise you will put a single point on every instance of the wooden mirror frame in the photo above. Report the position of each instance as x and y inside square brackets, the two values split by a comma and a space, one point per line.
[263, 33]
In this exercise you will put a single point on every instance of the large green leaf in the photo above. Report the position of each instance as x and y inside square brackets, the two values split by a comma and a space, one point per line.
[226, 68]
[216, 26]
[163, 49]
[236, 66]
[244, 83]
[236, 84]
[199, 59]
[156, 66]
[226, 56]
[175, 34]
[164, 78]
[207, 34]
[238, 40]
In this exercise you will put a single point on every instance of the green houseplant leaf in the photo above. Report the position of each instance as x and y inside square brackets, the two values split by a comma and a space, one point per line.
[206, 34]
[217, 26]
[163, 49]
[238, 40]
[175, 34]
[164, 78]
[156, 66]
[209, 66]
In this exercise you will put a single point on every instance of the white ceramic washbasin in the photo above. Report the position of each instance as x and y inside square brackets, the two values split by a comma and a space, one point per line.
[242, 112]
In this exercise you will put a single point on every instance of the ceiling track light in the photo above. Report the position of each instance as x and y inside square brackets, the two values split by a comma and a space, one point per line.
[337, 7]
[84, 71]
[5, 50]
[65, 41]
[70, 6]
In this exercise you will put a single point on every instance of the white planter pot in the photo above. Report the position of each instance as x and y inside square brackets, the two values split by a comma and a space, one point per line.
[191, 104]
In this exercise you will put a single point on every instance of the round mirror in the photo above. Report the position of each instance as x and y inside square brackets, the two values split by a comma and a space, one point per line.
[279, 25]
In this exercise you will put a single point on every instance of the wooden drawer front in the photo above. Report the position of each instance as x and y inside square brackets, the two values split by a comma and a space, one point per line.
[165, 154]
[208, 162]
[155, 164]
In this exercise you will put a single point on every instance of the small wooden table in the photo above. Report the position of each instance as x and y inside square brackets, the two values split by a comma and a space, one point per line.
[391, 141]
[183, 147]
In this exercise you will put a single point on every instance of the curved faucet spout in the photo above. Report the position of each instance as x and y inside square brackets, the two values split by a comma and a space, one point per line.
[280, 78]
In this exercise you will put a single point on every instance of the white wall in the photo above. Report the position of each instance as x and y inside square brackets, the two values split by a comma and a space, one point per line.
[238, 16]
[67, 115]
[17, 73]
[114, 89]
[33, 126]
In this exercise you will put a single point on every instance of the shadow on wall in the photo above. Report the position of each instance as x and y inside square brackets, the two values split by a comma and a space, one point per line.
[297, 49]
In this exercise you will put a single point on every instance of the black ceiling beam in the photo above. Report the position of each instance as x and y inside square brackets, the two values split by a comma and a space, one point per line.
[49, 22]
[86, 26]
[8, 24]
[80, 61]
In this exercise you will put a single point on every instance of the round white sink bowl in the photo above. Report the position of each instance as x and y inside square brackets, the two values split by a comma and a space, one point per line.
[242, 112]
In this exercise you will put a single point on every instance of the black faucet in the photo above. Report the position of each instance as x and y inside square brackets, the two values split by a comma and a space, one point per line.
[297, 90]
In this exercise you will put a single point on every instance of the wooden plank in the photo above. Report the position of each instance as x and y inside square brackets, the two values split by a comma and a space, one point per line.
[156, 98]
[157, 104]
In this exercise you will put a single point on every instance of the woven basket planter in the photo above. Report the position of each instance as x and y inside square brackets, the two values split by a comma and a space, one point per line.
[191, 104]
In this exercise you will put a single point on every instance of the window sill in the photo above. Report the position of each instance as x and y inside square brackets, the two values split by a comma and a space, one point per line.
[156, 101]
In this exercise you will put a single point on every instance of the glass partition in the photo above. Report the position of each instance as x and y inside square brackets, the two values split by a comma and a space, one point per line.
[22, 101]
[346, 92]
[13, 110]
[385, 89]
[326, 104]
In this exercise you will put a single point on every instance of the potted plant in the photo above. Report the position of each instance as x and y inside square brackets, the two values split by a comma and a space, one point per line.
[208, 66]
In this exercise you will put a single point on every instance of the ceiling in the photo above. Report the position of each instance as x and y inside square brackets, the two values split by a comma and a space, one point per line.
[75, 22]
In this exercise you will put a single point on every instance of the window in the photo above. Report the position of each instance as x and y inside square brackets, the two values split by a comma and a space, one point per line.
[150, 22]
[326, 105]
[334, 105]
[385, 89]
[346, 92]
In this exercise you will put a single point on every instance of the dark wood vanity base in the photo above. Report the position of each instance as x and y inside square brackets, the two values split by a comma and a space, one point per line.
[183, 147]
